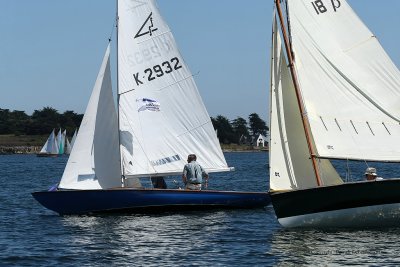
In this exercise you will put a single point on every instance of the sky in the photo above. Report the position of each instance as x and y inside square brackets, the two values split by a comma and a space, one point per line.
[51, 50]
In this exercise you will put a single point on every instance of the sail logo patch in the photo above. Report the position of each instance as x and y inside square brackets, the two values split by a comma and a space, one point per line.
[148, 104]
[147, 27]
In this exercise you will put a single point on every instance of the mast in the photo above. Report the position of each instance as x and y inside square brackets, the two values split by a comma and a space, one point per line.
[304, 120]
[118, 113]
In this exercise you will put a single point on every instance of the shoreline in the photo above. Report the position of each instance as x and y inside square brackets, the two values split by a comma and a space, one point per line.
[11, 144]
[17, 150]
[27, 150]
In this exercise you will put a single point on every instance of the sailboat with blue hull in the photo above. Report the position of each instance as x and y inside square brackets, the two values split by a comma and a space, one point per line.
[160, 119]
[67, 202]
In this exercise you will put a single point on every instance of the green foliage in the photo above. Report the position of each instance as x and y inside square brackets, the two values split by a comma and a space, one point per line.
[13, 121]
[41, 122]
[257, 125]
[224, 129]
[238, 131]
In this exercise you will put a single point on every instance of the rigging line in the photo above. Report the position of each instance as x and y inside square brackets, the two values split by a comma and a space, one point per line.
[348, 173]
[122, 167]
[113, 29]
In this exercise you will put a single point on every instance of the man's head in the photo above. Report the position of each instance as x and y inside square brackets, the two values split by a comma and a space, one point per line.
[191, 157]
[370, 173]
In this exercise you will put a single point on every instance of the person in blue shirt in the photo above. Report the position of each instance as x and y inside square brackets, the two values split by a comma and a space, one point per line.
[193, 174]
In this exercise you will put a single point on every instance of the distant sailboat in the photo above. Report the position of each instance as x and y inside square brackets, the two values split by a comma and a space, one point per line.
[58, 140]
[161, 120]
[73, 139]
[61, 141]
[63, 137]
[50, 148]
[335, 94]
[69, 144]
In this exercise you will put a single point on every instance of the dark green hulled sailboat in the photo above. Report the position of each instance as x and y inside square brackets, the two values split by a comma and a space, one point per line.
[335, 94]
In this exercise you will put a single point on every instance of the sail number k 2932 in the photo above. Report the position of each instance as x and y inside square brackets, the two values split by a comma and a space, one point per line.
[157, 71]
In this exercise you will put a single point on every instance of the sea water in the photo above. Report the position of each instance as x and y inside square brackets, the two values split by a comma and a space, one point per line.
[31, 235]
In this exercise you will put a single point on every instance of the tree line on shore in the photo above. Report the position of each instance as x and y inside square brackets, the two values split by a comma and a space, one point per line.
[239, 130]
[42, 122]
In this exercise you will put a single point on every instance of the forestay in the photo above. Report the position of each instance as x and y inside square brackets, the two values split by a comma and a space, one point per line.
[349, 85]
[94, 162]
[162, 116]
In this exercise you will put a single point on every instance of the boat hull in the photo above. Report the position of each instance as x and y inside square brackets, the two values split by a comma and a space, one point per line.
[46, 155]
[124, 200]
[359, 204]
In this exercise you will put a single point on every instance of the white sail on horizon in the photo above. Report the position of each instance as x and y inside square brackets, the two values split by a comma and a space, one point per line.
[50, 147]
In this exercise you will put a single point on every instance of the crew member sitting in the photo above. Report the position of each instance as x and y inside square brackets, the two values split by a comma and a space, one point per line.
[370, 174]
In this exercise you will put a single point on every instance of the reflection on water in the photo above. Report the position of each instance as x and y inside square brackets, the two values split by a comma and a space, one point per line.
[30, 235]
[337, 247]
[220, 237]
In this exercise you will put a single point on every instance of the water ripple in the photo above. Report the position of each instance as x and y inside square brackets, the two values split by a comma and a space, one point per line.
[33, 236]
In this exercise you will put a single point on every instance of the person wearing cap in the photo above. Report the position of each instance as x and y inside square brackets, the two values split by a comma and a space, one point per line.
[193, 173]
[370, 174]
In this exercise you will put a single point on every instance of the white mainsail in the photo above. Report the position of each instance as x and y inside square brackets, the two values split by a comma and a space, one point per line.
[349, 85]
[50, 147]
[94, 162]
[162, 116]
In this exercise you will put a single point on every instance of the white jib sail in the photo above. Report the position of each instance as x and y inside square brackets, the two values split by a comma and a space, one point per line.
[289, 160]
[162, 115]
[50, 146]
[290, 165]
[94, 162]
[350, 87]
